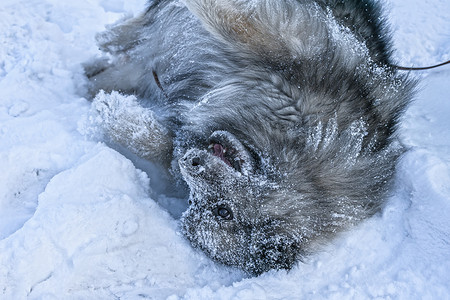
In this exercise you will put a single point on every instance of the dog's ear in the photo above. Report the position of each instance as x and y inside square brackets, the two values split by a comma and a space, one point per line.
[273, 247]
[278, 31]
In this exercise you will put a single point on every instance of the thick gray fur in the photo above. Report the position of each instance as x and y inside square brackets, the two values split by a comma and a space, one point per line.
[302, 91]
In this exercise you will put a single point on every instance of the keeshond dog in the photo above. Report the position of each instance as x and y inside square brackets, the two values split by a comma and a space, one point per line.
[280, 115]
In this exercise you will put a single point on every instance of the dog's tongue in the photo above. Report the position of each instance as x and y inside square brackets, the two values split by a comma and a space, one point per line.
[219, 151]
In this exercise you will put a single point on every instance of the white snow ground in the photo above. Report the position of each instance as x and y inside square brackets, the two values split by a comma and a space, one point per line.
[77, 220]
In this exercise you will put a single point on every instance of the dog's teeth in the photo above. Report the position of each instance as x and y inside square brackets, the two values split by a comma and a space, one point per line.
[210, 146]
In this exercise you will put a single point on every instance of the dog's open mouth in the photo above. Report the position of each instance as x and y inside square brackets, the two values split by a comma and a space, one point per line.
[230, 150]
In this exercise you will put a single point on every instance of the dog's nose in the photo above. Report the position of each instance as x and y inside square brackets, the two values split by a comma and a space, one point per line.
[193, 159]
[194, 162]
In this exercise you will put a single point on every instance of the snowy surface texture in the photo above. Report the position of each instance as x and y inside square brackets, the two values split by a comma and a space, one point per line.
[78, 220]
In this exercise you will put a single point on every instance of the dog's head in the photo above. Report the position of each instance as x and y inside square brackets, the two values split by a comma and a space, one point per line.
[228, 216]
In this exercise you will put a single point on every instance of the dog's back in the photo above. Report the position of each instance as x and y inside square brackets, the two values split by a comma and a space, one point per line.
[169, 42]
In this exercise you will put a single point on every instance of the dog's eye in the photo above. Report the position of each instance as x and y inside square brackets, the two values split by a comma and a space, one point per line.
[223, 212]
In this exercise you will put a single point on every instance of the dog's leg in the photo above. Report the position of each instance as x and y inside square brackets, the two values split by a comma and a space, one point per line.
[118, 71]
[133, 126]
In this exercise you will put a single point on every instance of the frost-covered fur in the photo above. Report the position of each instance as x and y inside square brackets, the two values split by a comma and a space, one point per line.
[280, 115]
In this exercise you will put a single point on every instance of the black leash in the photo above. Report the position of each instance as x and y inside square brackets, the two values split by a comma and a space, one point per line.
[419, 68]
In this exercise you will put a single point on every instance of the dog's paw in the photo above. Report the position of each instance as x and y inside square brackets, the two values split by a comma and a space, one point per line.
[129, 124]
[122, 114]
